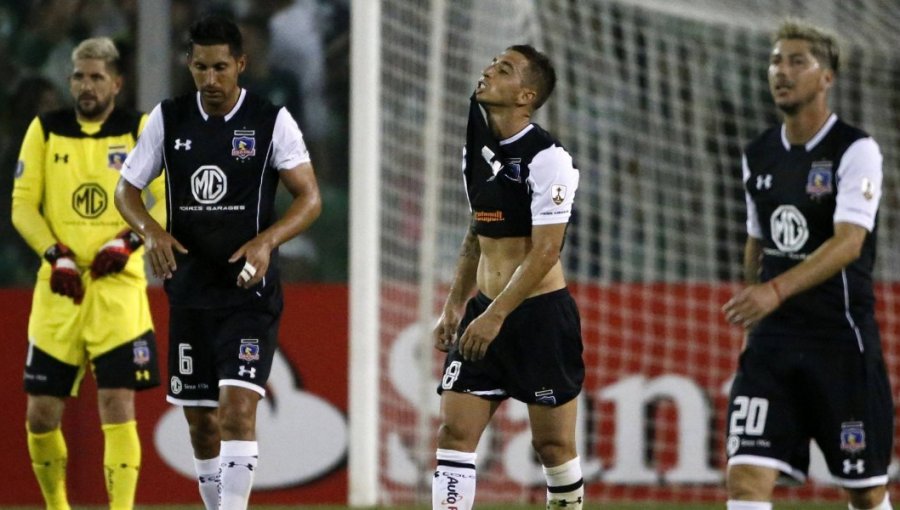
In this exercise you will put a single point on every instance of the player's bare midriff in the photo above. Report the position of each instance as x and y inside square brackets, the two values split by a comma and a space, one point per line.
[499, 260]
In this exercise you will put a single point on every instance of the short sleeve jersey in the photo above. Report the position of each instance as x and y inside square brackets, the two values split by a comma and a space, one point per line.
[68, 170]
[222, 174]
[528, 179]
[795, 195]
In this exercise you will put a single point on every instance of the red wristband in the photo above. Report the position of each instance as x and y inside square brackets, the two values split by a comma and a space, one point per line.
[775, 289]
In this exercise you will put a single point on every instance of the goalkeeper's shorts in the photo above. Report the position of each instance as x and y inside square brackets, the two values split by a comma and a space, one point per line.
[536, 357]
[112, 329]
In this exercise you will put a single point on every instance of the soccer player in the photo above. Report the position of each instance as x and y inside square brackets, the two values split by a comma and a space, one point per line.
[224, 150]
[90, 300]
[812, 367]
[520, 335]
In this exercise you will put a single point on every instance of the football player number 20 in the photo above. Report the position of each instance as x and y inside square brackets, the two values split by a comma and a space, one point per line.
[749, 415]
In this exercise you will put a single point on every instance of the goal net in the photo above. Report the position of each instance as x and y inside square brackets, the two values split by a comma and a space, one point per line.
[655, 100]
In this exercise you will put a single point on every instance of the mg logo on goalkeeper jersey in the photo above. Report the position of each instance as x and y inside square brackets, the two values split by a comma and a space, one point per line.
[788, 228]
[89, 200]
[209, 184]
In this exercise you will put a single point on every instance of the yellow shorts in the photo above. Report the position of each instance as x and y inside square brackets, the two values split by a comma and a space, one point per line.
[115, 311]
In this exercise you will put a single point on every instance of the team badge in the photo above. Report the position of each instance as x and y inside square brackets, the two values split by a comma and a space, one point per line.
[818, 182]
[558, 193]
[175, 385]
[243, 145]
[116, 156]
[20, 169]
[853, 437]
[141, 353]
[512, 169]
[249, 350]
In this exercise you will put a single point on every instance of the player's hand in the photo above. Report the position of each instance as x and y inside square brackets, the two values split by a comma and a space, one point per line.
[114, 254]
[476, 339]
[256, 253]
[161, 247]
[65, 278]
[751, 304]
[444, 333]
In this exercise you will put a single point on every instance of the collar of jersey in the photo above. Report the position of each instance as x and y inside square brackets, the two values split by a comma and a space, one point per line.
[810, 145]
[237, 106]
[518, 135]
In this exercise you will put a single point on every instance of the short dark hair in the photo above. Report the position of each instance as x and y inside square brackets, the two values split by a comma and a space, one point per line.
[822, 43]
[213, 30]
[541, 74]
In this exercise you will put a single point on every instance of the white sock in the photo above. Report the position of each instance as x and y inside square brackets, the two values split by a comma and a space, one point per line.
[208, 479]
[453, 485]
[748, 505]
[565, 485]
[238, 465]
[885, 505]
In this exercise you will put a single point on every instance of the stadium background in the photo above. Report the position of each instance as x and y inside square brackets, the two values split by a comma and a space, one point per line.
[655, 100]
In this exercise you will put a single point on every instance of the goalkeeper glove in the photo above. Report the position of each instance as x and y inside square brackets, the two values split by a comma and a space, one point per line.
[65, 278]
[113, 255]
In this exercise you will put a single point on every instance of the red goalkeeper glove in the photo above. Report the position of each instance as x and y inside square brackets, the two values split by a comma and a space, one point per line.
[65, 279]
[113, 255]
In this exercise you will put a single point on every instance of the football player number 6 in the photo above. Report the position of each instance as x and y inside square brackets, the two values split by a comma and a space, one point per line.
[749, 415]
[185, 362]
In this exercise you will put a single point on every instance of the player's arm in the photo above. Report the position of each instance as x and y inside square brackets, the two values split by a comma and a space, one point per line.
[464, 281]
[28, 192]
[141, 167]
[306, 206]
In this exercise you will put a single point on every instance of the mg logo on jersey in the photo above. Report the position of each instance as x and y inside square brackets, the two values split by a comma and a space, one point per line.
[209, 184]
[788, 228]
[89, 200]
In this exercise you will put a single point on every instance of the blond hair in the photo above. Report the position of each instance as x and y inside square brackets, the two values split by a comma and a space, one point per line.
[822, 43]
[98, 48]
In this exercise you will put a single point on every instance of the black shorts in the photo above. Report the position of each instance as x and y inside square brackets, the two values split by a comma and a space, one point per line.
[209, 348]
[536, 357]
[132, 365]
[790, 390]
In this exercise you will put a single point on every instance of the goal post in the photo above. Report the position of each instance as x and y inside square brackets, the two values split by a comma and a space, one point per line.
[655, 100]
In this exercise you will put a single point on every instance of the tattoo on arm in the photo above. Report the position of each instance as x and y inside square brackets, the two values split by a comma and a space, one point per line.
[470, 248]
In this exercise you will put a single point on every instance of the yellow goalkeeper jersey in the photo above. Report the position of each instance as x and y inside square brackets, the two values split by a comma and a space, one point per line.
[65, 183]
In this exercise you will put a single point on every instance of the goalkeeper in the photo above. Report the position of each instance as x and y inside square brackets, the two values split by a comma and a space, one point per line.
[90, 302]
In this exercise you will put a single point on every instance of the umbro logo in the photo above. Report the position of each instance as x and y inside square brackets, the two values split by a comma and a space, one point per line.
[186, 145]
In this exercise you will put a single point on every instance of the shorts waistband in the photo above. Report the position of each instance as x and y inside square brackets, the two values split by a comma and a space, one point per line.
[532, 301]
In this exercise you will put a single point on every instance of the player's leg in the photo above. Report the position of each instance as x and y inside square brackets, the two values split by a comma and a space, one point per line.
[203, 426]
[463, 420]
[239, 451]
[53, 371]
[553, 438]
[47, 448]
[193, 385]
[119, 338]
[750, 487]
[869, 498]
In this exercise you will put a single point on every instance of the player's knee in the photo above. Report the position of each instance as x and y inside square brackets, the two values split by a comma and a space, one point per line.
[750, 483]
[115, 406]
[43, 414]
[866, 498]
[237, 425]
[553, 451]
[455, 436]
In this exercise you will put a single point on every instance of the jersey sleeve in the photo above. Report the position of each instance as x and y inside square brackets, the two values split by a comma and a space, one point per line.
[28, 191]
[288, 147]
[155, 193]
[859, 184]
[553, 179]
[753, 228]
[144, 163]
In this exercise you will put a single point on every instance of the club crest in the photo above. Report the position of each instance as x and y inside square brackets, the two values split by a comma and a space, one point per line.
[116, 156]
[243, 145]
[853, 437]
[819, 180]
[141, 353]
[249, 350]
